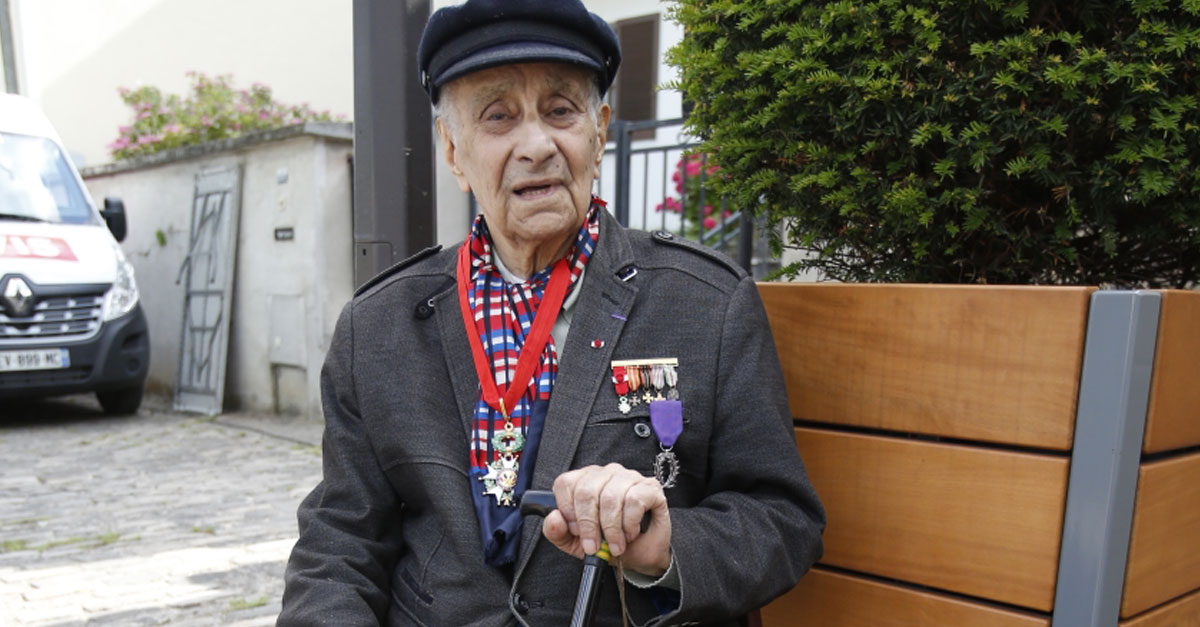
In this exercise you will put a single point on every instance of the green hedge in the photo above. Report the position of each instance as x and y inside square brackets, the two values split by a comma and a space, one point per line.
[957, 141]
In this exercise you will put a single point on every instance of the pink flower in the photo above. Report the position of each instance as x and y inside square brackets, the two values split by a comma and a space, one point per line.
[670, 204]
[263, 115]
[708, 210]
[693, 168]
[120, 144]
[709, 223]
[204, 121]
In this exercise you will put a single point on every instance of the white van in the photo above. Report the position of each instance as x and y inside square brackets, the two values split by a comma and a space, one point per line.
[70, 320]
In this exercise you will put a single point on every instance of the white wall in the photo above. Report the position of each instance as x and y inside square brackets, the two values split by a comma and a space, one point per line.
[76, 53]
[302, 182]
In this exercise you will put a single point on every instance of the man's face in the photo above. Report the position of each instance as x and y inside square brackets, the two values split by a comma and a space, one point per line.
[528, 148]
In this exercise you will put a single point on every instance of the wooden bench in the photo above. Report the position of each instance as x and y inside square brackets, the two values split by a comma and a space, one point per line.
[995, 455]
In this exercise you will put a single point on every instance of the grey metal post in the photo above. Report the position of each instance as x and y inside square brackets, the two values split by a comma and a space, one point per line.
[6, 50]
[622, 182]
[1110, 421]
[394, 208]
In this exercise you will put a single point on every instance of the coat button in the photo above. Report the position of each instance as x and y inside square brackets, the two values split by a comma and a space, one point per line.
[641, 429]
[664, 235]
[424, 310]
[520, 603]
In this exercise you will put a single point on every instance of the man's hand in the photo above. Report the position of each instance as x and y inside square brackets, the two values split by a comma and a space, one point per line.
[609, 502]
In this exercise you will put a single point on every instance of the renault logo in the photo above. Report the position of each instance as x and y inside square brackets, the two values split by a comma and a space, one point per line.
[18, 297]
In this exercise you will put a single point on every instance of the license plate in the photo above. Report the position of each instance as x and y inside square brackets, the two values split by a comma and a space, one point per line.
[45, 359]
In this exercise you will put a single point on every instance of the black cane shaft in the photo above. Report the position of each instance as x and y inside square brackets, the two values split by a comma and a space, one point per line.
[589, 591]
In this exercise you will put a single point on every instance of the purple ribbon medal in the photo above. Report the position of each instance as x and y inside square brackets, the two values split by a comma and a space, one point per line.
[666, 417]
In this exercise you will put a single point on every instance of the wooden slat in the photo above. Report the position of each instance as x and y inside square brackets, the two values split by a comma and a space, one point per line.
[1164, 545]
[1173, 415]
[999, 364]
[829, 599]
[981, 522]
[1185, 611]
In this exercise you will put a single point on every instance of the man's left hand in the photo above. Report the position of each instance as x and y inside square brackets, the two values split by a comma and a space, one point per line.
[609, 502]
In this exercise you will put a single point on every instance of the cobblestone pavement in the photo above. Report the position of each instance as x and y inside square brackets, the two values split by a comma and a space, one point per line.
[155, 519]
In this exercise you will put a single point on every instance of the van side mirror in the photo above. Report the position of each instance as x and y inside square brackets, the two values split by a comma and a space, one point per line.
[114, 216]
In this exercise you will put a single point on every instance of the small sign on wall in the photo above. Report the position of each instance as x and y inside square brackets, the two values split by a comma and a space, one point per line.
[285, 234]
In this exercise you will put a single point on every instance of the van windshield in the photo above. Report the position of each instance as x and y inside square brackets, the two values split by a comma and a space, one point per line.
[37, 184]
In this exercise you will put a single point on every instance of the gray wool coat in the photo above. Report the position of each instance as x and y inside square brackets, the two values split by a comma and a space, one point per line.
[390, 535]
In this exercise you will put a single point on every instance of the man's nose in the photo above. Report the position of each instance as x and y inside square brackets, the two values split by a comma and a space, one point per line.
[534, 142]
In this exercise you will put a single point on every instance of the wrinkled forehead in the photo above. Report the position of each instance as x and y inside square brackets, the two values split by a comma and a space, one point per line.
[542, 79]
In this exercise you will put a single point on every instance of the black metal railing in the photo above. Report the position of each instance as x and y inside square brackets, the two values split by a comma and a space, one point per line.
[646, 177]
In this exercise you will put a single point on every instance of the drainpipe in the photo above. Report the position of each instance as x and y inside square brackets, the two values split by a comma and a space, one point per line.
[394, 205]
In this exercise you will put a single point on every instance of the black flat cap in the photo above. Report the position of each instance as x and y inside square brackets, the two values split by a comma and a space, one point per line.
[480, 34]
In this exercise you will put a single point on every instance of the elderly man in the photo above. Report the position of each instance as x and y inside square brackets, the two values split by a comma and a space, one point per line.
[633, 374]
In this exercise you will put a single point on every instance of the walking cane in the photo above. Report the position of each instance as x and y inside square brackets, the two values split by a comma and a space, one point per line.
[541, 503]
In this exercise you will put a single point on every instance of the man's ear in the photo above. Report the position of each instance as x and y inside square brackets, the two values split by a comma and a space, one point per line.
[602, 118]
[450, 153]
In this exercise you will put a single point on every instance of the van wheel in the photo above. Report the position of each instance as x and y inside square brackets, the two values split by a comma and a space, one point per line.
[122, 401]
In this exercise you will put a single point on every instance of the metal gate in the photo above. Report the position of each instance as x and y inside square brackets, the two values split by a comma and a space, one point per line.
[207, 276]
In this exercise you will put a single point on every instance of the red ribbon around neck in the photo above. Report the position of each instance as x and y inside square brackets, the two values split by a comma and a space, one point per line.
[535, 342]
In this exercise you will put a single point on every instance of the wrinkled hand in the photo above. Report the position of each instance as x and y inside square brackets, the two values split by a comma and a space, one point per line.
[609, 502]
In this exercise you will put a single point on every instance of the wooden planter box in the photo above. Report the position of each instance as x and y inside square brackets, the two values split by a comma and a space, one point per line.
[995, 455]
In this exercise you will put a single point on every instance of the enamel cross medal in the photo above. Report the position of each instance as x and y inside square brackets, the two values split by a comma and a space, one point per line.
[621, 382]
[501, 477]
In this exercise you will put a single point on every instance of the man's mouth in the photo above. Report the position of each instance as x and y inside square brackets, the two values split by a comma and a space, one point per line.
[534, 191]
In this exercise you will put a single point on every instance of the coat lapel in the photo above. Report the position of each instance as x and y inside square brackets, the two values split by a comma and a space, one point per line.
[599, 314]
[457, 350]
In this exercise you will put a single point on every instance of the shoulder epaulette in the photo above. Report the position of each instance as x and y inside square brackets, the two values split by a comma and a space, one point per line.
[671, 239]
[379, 278]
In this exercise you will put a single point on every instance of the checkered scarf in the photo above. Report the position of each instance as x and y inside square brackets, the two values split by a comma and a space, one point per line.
[504, 314]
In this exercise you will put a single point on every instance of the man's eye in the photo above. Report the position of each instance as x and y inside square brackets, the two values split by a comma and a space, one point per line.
[496, 116]
[559, 112]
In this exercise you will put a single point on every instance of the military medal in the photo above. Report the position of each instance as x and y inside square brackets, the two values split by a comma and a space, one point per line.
[500, 480]
[501, 477]
[647, 395]
[640, 381]
[671, 380]
[621, 383]
[635, 383]
[666, 418]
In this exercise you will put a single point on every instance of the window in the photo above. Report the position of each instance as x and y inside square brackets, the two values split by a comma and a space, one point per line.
[634, 94]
